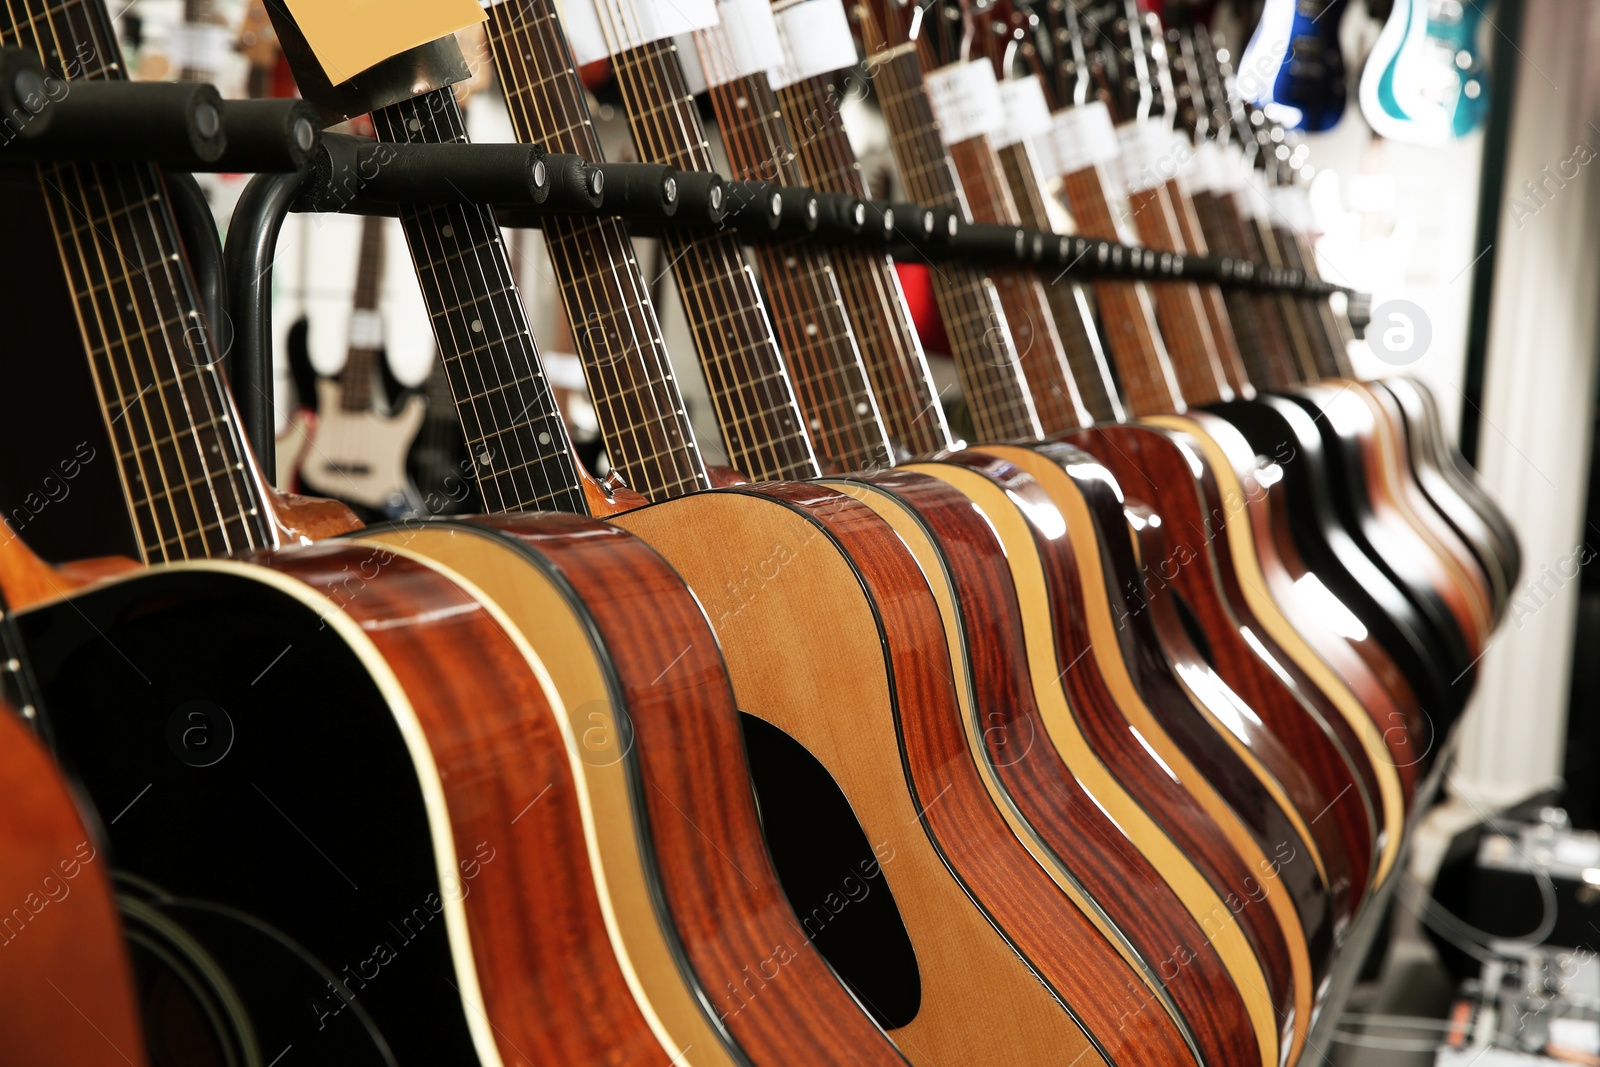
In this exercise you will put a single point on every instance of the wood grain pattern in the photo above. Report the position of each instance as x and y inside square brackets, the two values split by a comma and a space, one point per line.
[803, 642]
[1119, 732]
[1190, 240]
[1157, 476]
[1075, 834]
[656, 678]
[1179, 310]
[64, 971]
[1380, 692]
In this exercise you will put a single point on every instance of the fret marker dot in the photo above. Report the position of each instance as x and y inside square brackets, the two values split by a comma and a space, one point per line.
[477, 325]
[811, 329]
[414, 125]
[448, 231]
[862, 408]
[544, 439]
[741, 103]
[816, 424]
[791, 263]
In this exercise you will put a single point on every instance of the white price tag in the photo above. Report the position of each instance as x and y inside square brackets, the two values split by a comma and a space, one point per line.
[597, 29]
[745, 44]
[966, 101]
[816, 40]
[1255, 197]
[1083, 137]
[1293, 208]
[1026, 110]
[1202, 174]
[1150, 155]
[366, 329]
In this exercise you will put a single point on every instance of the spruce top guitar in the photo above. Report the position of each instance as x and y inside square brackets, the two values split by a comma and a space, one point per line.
[359, 451]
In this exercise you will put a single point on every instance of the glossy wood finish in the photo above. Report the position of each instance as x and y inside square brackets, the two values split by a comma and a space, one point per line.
[660, 757]
[1183, 574]
[1320, 639]
[1167, 913]
[65, 978]
[529, 959]
[1112, 726]
[816, 631]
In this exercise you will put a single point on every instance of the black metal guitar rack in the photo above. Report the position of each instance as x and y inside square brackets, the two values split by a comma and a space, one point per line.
[298, 167]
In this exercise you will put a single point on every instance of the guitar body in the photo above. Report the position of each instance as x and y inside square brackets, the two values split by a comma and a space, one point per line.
[360, 456]
[1395, 517]
[1180, 580]
[838, 654]
[366, 815]
[660, 760]
[1452, 487]
[65, 958]
[1328, 641]
[1098, 723]
[1312, 78]
[1280, 428]
[291, 448]
[1124, 872]
[1415, 87]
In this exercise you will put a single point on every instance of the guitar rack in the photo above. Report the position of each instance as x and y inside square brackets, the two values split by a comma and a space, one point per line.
[298, 167]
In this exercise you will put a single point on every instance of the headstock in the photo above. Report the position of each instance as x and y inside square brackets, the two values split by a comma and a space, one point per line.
[1003, 32]
[1164, 100]
[1190, 113]
[1102, 59]
[1058, 52]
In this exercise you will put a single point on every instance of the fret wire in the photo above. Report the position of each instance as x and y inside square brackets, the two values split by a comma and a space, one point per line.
[617, 283]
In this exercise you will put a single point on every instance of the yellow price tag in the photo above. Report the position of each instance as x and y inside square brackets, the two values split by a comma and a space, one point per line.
[348, 36]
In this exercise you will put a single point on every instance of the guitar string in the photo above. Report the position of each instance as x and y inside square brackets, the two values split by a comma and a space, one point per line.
[704, 292]
[180, 536]
[634, 420]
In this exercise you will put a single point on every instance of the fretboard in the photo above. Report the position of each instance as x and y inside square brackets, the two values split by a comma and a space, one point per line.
[1178, 308]
[1074, 318]
[745, 374]
[873, 298]
[1263, 343]
[636, 398]
[1033, 326]
[1191, 240]
[1127, 318]
[802, 291]
[987, 358]
[356, 380]
[187, 475]
[508, 414]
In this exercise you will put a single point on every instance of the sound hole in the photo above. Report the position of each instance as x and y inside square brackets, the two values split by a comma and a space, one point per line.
[832, 875]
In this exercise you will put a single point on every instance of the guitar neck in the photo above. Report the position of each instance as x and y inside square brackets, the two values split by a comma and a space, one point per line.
[987, 358]
[749, 384]
[636, 398]
[873, 298]
[191, 485]
[1263, 344]
[1190, 239]
[1033, 325]
[1178, 308]
[1149, 382]
[802, 290]
[356, 379]
[1086, 358]
[1328, 339]
[508, 413]
[1263, 247]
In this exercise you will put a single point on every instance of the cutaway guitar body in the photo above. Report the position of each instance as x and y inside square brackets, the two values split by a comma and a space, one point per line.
[1110, 741]
[833, 638]
[346, 746]
[1124, 872]
[710, 939]
[360, 456]
[1326, 639]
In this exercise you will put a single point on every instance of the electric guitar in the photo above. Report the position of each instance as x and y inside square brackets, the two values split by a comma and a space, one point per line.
[359, 451]
[1310, 86]
[1424, 82]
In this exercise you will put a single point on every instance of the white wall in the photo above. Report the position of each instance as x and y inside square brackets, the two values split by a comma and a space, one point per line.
[1538, 402]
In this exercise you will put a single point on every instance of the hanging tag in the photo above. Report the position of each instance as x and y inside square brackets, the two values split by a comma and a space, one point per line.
[816, 40]
[597, 29]
[1026, 110]
[1083, 137]
[966, 101]
[349, 36]
[747, 43]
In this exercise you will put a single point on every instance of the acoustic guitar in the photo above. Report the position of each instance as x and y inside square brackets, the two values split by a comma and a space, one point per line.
[414, 871]
[787, 532]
